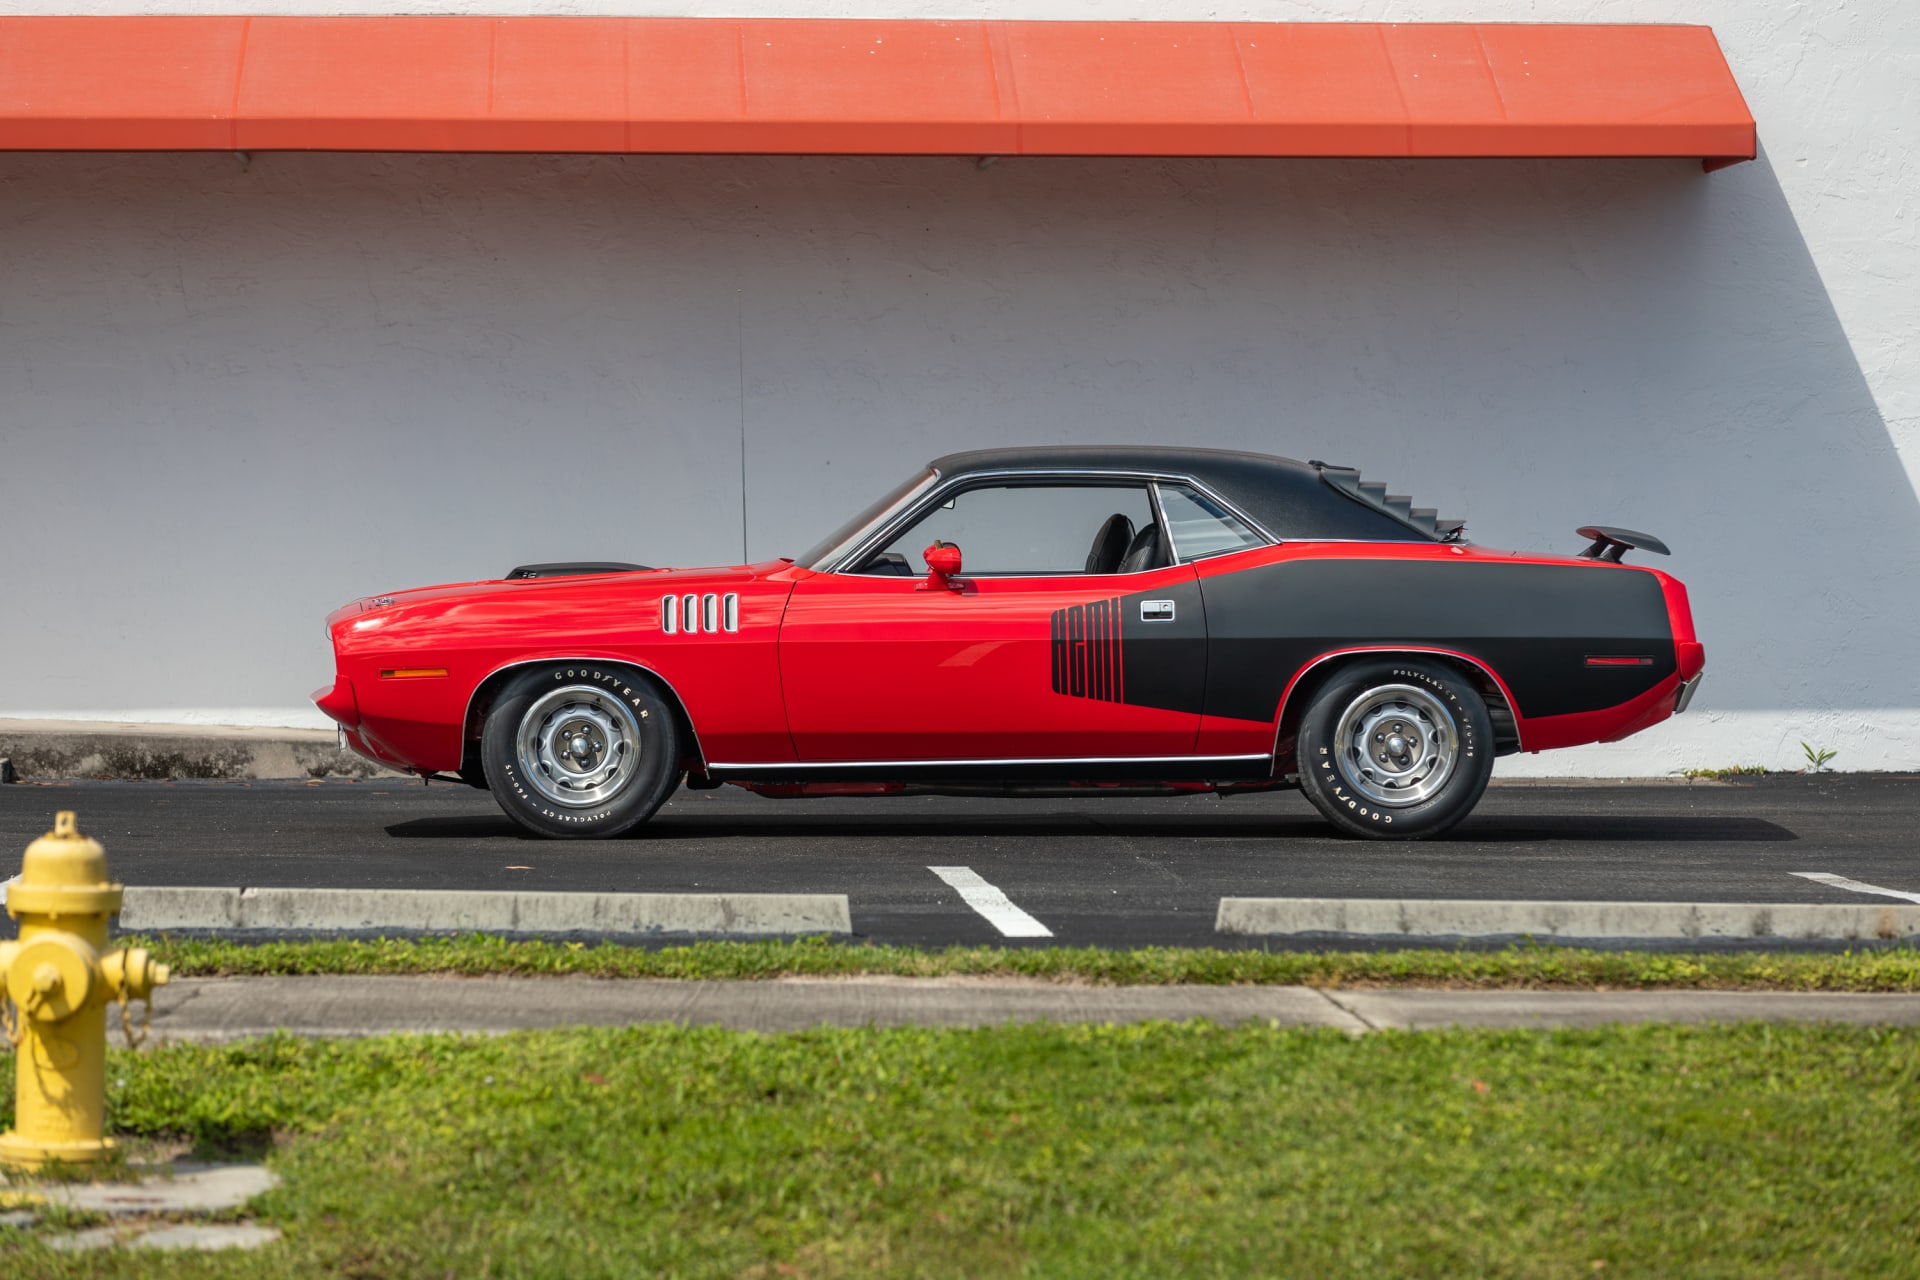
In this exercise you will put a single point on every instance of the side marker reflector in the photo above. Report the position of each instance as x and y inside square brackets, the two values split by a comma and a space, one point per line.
[412, 673]
[1619, 662]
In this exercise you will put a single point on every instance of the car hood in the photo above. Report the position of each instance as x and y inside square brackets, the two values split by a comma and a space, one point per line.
[532, 588]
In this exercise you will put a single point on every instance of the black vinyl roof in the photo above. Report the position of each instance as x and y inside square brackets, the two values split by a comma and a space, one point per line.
[1288, 497]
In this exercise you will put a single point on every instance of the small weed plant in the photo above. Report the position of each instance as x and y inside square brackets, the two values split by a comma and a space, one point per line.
[1817, 757]
[1731, 771]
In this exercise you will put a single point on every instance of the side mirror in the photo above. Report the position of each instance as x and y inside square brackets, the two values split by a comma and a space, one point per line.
[943, 562]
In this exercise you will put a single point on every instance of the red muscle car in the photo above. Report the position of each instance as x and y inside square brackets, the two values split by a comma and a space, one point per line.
[1034, 621]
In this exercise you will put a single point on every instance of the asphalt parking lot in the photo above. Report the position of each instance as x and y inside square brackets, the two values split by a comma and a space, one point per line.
[1109, 872]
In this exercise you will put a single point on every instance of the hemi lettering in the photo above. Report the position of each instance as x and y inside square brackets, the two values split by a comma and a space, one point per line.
[1087, 653]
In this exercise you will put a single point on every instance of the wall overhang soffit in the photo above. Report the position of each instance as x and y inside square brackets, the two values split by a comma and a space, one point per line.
[844, 86]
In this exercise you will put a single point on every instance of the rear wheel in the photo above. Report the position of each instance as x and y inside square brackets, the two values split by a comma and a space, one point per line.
[1396, 749]
[579, 750]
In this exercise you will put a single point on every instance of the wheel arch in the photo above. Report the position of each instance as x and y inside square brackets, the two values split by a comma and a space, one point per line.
[480, 703]
[1312, 675]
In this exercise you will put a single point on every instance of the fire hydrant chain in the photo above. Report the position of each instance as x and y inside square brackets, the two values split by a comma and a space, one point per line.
[134, 1038]
[55, 984]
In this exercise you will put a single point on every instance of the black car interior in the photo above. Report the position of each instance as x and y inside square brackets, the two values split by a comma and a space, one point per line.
[1146, 551]
[1110, 545]
[1118, 549]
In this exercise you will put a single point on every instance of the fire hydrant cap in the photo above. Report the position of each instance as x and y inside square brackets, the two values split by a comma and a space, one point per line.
[64, 857]
[51, 977]
[63, 873]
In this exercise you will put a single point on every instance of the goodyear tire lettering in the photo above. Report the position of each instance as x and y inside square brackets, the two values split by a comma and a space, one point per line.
[1326, 787]
[658, 760]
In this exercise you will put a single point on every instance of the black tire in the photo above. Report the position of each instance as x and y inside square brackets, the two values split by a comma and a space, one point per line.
[1431, 745]
[630, 764]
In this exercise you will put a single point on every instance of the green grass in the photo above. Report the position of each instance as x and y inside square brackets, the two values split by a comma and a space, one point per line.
[1146, 1151]
[1731, 771]
[1878, 969]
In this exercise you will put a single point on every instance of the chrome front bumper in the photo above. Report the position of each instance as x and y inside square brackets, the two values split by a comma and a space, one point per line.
[1687, 689]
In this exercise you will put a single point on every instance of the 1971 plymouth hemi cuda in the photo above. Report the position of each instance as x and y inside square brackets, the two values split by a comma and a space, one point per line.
[1034, 621]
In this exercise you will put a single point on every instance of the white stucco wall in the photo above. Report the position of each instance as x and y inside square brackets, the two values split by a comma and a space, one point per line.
[232, 397]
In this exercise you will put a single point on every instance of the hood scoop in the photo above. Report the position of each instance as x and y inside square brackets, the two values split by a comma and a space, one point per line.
[575, 569]
[1372, 493]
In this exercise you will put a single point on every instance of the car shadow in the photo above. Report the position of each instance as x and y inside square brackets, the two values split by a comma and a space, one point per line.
[1572, 829]
[1587, 829]
[480, 827]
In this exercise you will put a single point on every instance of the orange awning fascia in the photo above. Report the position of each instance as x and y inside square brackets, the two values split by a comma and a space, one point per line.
[867, 86]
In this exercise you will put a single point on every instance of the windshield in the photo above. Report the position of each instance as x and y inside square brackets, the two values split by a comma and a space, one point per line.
[840, 540]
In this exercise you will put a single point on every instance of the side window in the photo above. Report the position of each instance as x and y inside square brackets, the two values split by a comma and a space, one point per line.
[1202, 527]
[1031, 530]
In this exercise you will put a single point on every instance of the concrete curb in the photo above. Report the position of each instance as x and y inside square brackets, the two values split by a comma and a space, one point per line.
[86, 749]
[216, 1009]
[1471, 918]
[429, 911]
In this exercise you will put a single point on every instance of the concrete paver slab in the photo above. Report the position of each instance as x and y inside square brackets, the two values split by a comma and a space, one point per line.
[204, 1189]
[206, 1236]
[87, 1240]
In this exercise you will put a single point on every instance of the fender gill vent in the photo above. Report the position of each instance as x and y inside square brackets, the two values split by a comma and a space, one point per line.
[693, 614]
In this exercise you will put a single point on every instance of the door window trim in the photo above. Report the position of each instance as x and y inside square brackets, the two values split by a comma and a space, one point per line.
[949, 486]
[1166, 525]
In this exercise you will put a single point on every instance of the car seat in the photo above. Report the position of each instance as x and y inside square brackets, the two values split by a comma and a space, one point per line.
[1145, 552]
[1110, 545]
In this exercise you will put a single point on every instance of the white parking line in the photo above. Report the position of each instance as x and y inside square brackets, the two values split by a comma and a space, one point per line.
[1841, 882]
[999, 910]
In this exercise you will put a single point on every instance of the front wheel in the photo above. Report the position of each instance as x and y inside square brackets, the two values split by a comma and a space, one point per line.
[1395, 749]
[580, 750]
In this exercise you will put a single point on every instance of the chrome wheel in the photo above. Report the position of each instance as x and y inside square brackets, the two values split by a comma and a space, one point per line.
[1396, 745]
[578, 747]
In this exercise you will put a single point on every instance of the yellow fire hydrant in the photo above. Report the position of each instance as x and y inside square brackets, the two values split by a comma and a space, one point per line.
[55, 984]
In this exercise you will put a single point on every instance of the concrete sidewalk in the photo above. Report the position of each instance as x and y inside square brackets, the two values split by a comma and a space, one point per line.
[230, 1008]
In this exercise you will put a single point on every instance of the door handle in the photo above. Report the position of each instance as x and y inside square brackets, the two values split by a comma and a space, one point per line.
[1156, 611]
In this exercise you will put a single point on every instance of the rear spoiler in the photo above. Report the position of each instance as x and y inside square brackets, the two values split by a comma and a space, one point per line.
[1611, 544]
